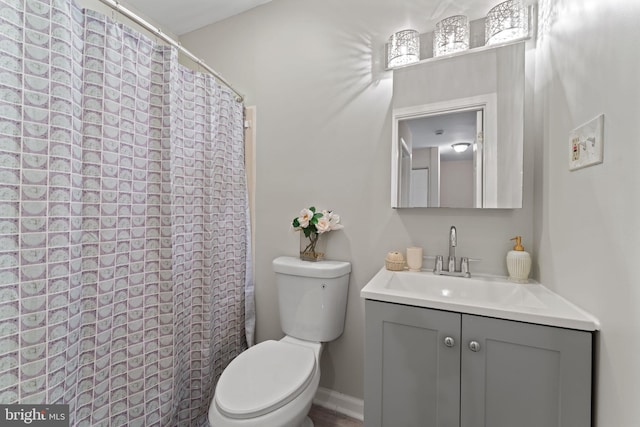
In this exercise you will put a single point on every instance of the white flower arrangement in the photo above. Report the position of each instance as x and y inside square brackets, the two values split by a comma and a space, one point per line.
[312, 221]
[313, 224]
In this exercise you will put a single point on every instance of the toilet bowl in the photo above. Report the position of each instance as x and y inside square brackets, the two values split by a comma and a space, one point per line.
[272, 384]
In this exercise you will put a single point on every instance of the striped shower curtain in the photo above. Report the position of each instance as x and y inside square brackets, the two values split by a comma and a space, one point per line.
[123, 221]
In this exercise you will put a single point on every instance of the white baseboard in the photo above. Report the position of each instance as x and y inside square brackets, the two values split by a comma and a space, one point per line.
[342, 403]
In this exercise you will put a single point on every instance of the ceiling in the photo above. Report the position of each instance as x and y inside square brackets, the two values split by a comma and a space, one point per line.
[455, 127]
[181, 17]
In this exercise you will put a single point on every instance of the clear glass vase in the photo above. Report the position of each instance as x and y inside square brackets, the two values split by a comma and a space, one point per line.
[313, 247]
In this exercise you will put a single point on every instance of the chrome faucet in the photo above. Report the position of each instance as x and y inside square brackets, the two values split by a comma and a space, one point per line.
[464, 261]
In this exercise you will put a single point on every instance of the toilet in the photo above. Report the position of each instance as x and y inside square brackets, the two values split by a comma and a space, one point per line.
[273, 383]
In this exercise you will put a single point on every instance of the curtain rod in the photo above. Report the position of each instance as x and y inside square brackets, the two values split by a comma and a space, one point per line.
[114, 4]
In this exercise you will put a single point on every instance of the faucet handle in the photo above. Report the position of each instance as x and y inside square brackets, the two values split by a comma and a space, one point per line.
[464, 265]
[438, 264]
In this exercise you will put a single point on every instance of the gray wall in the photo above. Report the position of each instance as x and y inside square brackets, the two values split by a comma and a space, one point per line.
[587, 222]
[456, 183]
[316, 74]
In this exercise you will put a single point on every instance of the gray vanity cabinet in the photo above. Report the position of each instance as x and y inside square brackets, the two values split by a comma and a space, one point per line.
[434, 368]
[411, 377]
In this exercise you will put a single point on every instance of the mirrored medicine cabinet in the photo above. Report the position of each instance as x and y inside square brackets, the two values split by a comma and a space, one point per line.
[458, 131]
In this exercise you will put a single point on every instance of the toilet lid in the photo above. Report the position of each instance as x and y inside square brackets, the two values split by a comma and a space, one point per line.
[264, 378]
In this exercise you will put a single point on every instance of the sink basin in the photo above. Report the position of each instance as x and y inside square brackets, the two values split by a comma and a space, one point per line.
[463, 290]
[482, 295]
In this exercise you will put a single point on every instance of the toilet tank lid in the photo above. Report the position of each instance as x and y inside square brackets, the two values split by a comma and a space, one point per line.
[320, 269]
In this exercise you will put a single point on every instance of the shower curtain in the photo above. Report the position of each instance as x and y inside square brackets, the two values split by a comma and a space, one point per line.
[123, 221]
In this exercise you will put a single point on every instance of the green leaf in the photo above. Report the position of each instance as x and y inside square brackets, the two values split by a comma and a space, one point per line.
[296, 223]
[312, 209]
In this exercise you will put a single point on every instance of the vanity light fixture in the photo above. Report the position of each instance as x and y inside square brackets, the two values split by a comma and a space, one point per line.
[451, 35]
[505, 22]
[461, 147]
[403, 48]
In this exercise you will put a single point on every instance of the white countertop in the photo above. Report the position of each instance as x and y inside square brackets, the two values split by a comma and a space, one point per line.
[490, 296]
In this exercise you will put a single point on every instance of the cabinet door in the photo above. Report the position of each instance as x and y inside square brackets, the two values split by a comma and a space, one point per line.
[412, 378]
[524, 375]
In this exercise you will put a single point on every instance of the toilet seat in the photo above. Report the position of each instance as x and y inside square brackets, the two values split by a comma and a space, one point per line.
[264, 378]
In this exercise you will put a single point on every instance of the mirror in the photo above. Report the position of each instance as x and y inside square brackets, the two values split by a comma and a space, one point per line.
[458, 131]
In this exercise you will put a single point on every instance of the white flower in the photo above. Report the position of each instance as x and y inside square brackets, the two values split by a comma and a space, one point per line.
[323, 224]
[305, 217]
[333, 219]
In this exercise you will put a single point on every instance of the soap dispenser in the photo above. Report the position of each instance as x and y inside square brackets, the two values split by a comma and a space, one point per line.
[518, 262]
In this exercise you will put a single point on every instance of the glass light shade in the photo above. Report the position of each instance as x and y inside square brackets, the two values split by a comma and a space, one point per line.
[404, 48]
[451, 35]
[505, 22]
[461, 147]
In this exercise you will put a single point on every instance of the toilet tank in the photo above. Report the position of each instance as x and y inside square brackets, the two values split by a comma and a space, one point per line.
[312, 297]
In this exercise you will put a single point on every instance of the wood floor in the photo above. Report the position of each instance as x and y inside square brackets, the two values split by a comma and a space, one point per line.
[323, 417]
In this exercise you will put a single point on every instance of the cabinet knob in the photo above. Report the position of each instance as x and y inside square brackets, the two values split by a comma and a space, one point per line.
[449, 342]
[474, 346]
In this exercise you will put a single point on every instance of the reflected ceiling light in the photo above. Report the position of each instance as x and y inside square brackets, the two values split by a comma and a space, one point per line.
[505, 22]
[451, 35]
[461, 147]
[403, 49]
